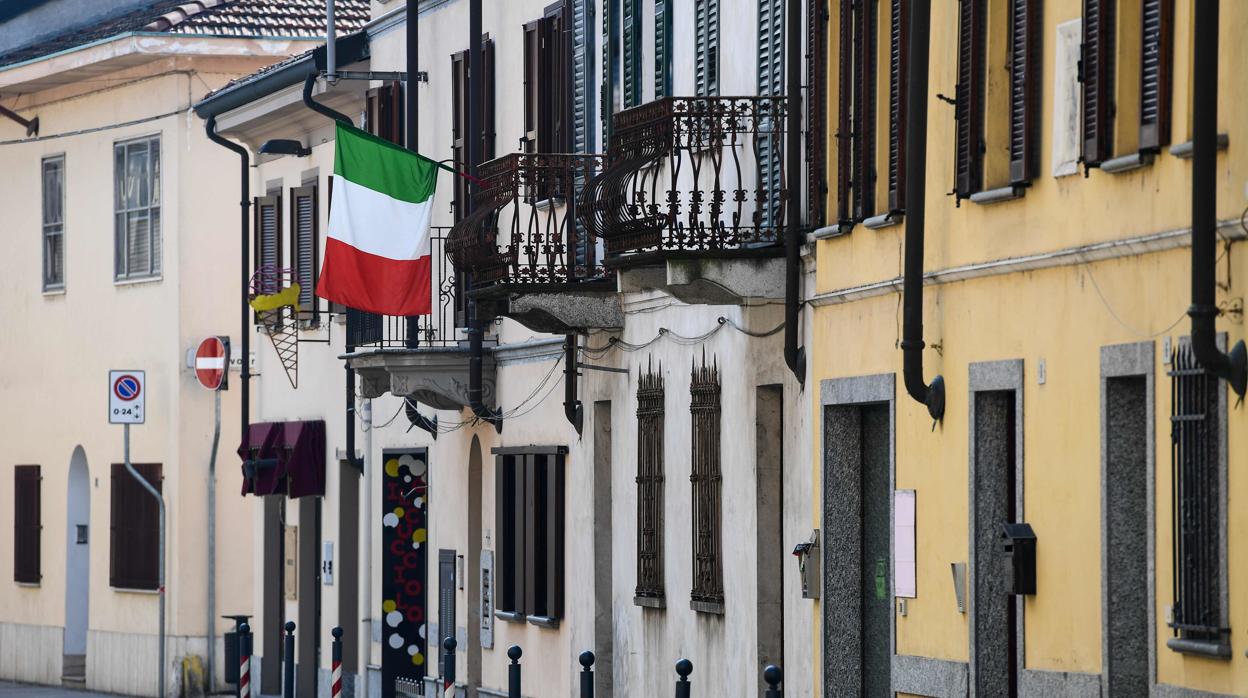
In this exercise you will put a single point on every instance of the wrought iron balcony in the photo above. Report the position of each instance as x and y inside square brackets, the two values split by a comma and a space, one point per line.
[691, 174]
[368, 330]
[523, 228]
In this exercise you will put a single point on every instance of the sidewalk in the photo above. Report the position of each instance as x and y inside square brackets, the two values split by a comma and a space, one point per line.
[22, 690]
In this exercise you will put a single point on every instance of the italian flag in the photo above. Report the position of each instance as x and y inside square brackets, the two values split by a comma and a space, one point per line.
[377, 250]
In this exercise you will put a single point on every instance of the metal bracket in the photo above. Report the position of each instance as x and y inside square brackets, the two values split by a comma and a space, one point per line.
[592, 367]
[31, 125]
[421, 76]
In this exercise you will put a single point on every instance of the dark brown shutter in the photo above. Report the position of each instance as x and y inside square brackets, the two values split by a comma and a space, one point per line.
[459, 130]
[1096, 72]
[865, 37]
[898, 38]
[816, 113]
[532, 93]
[553, 533]
[487, 101]
[305, 243]
[27, 524]
[527, 558]
[556, 77]
[1025, 25]
[844, 119]
[1155, 70]
[969, 110]
[134, 517]
[267, 244]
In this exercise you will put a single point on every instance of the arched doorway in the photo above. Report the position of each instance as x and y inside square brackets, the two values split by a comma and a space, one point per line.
[77, 567]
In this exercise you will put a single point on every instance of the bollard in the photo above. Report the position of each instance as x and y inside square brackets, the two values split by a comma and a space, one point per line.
[587, 674]
[244, 661]
[448, 667]
[684, 668]
[288, 662]
[335, 676]
[772, 676]
[513, 671]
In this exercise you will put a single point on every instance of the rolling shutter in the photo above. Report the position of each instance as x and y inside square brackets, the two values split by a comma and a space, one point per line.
[305, 254]
[134, 516]
[1024, 68]
[844, 118]
[1155, 67]
[898, 40]
[27, 524]
[817, 113]
[969, 110]
[1097, 76]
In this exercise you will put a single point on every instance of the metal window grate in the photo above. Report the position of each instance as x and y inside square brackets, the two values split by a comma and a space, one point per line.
[708, 575]
[650, 415]
[1196, 499]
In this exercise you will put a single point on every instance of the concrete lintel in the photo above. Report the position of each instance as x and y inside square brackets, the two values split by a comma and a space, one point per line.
[712, 281]
[437, 377]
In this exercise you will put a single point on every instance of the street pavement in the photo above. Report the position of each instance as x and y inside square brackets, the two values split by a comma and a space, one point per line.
[22, 690]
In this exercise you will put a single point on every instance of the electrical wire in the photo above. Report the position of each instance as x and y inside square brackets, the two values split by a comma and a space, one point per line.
[721, 322]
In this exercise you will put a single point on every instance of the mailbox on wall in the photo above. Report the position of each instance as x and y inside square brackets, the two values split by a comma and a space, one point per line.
[1019, 547]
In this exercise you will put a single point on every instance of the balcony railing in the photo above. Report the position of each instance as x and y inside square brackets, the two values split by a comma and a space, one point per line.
[523, 228]
[692, 174]
[365, 330]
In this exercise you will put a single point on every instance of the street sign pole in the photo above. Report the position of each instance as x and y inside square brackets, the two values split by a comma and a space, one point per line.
[212, 537]
[160, 583]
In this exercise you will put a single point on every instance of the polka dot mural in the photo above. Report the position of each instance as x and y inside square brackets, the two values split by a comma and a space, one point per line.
[403, 536]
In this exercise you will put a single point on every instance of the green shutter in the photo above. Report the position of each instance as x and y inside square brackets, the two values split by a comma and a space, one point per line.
[706, 40]
[770, 84]
[632, 53]
[662, 48]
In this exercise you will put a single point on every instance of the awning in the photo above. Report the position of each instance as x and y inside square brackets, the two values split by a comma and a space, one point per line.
[284, 458]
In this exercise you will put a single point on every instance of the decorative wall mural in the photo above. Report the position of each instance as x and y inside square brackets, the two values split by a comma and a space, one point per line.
[404, 532]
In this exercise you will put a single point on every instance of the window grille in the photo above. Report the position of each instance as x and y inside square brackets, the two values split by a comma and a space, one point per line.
[1197, 499]
[529, 500]
[708, 575]
[136, 199]
[54, 223]
[27, 524]
[134, 518]
[650, 416]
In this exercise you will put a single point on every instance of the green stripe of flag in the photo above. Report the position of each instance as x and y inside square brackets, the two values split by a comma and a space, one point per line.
[382, 166]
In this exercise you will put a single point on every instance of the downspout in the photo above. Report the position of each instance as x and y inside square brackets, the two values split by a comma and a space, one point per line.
[1204, 311]
[572, 407]
[476, 330]
[916, 211]
[317, 107]
[794, 355]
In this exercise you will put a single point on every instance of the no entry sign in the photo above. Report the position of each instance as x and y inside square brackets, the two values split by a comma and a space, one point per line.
[126, 397]
[212, 358]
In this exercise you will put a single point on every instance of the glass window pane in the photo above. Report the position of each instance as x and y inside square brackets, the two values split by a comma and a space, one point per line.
[54, 259]
[136, 176]
[138, 249]
[154, 149]
[119, 246]
[119, 179]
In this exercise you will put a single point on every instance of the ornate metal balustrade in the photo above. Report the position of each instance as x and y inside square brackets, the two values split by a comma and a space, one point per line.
[691, 174]
[523, 228]
[437, 329]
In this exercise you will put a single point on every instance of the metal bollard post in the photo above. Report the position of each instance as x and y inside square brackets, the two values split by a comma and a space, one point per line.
[335, 676]
[244, 661]
[513, 671]
[288, 662]
[448, 667]
[772, 675]
[684, 668]
[587, 674]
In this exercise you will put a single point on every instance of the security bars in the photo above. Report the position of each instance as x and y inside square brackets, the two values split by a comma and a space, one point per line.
[708, 573]
[650, 415]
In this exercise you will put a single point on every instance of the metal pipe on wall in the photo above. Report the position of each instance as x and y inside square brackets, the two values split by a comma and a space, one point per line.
[1204, 311]
[933, 395]
[331, 53]
[794, 355]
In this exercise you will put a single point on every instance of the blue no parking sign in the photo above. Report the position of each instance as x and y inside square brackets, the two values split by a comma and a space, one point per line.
[126, 397]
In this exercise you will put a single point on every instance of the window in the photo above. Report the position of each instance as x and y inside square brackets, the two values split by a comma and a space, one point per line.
[305, 246]
[663, 48]
[459, 119]
[54, 223]
[267, 251]
[708, 573]
[1198, 475]
[137, 206]
[706, 48]
[1127, 57]
[529, 509]
[863, 48]
[547, 82]
[650, 414]
[26, 524]
[134, 520]
[997, 118]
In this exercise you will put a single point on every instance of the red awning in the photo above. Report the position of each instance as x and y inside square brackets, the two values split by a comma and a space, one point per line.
[284, 458]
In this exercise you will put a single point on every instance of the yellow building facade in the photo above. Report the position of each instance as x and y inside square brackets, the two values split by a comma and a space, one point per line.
[1054, 307]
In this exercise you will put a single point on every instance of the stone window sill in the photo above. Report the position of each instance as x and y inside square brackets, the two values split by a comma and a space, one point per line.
[510, 616]
[714, 607]
[1184, 150]
[650, 601]
[1127, 163]
[996, 196]
[828, 232]
[884, 220]
[1204, 648]
[544, 621]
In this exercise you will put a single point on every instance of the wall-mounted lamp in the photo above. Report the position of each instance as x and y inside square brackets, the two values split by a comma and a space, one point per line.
[285, 146]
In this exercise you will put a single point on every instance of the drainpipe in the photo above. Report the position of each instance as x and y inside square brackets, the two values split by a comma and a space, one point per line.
[794, 355]
[317, 107]
[331, 41]
[572, 407]
[476, 330]
[1231, 367]
[916, 190]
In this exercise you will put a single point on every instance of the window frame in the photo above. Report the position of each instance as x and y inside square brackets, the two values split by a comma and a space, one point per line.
[27, 515]
[48, 284]
[124, 544]
[122, 273]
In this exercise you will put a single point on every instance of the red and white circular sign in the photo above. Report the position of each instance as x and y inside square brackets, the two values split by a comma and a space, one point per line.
[212, 359]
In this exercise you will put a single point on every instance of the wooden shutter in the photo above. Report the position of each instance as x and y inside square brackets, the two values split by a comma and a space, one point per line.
[632, 53]
[845, 136]
[706, 48]
[532, 88]
[1025, 26]
[305, 257]
[969, 110]
[1155, 69]
[488, 131]
[27, 523]
[770, 149]
[555, 133]
[582, 61]
[863, 179]
[1097, 72]
[662, 48]
[459, 131]
[551, 495]
[898, 40]
[817, 113]
[134, 517]
[384, 112]
[267, 244]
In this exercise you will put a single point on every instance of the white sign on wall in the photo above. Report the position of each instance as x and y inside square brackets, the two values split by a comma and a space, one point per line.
[904, 572]
[126, 397]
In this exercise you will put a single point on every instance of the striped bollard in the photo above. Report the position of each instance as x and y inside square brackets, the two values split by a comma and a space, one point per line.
[772, 676]
[448, 667]
[335, 679]
[684, 668]
[244, 661]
